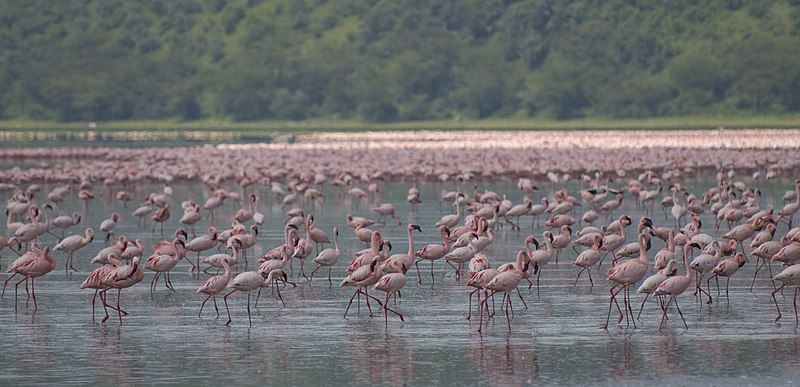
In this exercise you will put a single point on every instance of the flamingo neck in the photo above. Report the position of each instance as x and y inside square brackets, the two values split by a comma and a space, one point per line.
[410, 243]
[336, 241]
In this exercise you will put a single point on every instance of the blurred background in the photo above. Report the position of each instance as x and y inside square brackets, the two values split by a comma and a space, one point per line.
[345, 63]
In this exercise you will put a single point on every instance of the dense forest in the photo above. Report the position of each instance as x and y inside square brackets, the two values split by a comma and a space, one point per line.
[391, 60]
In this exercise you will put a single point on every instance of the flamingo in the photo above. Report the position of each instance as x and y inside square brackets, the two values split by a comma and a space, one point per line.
[391, 284]
[396, 261]
[95, 277]
[588, 258]
[789, 276]
[161, 216]
[384, 210]
[674, 287]
[247, 282]
[163, 263]
[303, 248]
[651, 283]
[506, 281]
[108, 225]
[433, 252]
[73, 243]
[34, 263]
[201, 243]
[626, 274]
[726, 268]
[479, 280]
[120, 278]
[361, 279]
[215, 285]
[328, 257]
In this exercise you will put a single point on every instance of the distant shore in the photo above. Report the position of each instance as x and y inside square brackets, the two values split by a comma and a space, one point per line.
[266, 128]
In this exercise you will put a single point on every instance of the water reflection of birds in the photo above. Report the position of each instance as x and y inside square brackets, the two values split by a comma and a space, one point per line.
[501, 362]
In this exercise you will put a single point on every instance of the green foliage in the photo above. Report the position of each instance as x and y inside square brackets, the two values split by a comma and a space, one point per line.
[389, 60]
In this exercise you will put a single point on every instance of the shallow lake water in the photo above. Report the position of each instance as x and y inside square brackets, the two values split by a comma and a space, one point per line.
[557, 340]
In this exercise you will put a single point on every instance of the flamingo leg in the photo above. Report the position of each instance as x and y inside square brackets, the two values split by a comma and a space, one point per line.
[226, 306]
[642, 306]
[680, 313]
[119, 310]
[794, 304]
[35, 307]
[249, 317]
[469, 309]
[5, 283]
[611, 300]
[202, 305]
[758, 267]
[94, 298]
[350, 303]
[16, 287]
[508, 306]
[727, 295]
[776, 301]
[522, 299]
[310, 279]
[664, 314]
[280, 297]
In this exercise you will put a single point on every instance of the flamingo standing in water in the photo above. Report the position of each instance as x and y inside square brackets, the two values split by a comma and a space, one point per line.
[120, 278]
[362, 278]
[789, 276]
[434, 251]
[675, 286]
[726, 268]
[34, 263]
[391, 284]
[73, 243]
[626, 274]
[506, 281]
[247, 282]
[652, 282]
[163, 263]
[328, 257]
[479, 281]
[161, 216]
[108, 225]
[215, 285]
[95, 277]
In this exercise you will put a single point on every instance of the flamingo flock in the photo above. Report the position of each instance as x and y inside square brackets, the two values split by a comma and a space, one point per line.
[577, 206]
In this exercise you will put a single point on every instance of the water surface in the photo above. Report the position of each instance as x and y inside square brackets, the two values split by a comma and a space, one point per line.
[557, 340]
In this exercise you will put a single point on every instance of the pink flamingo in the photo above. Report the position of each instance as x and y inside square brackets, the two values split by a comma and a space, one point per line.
[434, 251]
[34, 263]
[479, 281]
[391, 284]
[215, 285]
[95, 277]
[161, 216]
[676, 286]
[120, 278]
[789, 276]
[247, 282]
[506, 281]
[626, 274]
[726, 268]
[163, 263]
[362, 278]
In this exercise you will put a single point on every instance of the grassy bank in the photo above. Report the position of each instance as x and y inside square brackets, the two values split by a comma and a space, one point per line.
[310, 126]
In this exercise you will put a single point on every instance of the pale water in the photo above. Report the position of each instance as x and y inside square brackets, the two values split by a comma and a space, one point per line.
[558, 340]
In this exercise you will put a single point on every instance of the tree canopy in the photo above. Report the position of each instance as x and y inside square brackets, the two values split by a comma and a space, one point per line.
[389, 60]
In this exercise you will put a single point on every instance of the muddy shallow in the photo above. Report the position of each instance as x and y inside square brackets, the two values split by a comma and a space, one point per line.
[556, 341]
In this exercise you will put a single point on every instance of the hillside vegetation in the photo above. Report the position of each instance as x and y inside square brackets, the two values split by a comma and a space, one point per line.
[396, 60]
